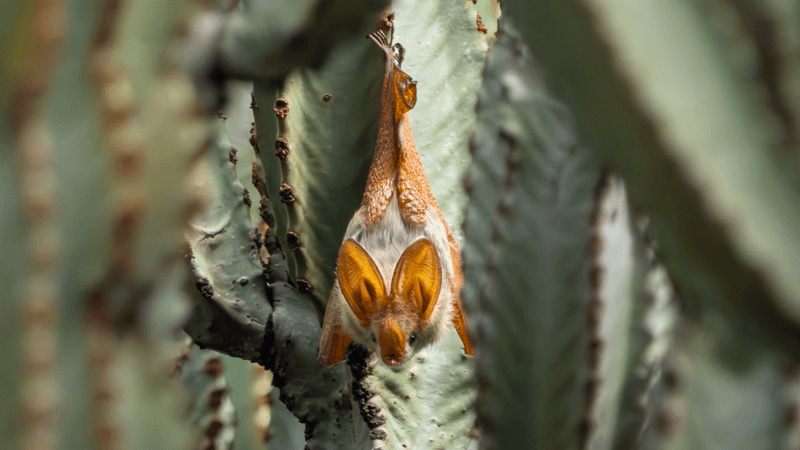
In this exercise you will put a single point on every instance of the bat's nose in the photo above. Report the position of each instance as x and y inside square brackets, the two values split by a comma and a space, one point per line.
[392, 341]
[393, 359]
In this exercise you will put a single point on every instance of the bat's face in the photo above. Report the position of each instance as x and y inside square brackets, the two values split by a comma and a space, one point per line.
[393, 316]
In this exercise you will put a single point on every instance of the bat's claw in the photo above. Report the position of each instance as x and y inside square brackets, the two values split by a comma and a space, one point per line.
[379, 37]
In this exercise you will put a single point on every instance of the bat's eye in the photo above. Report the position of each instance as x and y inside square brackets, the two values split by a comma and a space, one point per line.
[412, 338]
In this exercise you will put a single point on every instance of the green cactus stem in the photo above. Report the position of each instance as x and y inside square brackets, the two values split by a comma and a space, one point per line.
[527, 274]
[694, 143]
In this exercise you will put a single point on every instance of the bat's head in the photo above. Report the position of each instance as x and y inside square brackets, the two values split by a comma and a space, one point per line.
[396, 317]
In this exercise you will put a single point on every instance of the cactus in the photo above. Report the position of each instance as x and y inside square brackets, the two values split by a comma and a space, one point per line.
[625, 185]
[98, 287]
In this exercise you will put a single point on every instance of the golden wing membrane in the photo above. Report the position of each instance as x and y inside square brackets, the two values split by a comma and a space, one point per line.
[417, 278]
[333, 347]
[360, 281]
[459, 319]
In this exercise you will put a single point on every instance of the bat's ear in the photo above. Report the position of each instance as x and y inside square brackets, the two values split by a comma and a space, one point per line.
[417, 277]
[333, 345]
[360, 281]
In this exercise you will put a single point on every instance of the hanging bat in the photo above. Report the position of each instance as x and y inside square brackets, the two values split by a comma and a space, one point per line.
[399, 274]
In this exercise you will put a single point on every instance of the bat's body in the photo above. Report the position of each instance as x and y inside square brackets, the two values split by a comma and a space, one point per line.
[399, 270]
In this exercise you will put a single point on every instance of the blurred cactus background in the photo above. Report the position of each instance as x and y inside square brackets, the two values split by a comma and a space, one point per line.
[623, 179]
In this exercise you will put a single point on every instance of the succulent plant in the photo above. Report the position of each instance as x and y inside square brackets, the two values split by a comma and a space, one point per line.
[177, 179]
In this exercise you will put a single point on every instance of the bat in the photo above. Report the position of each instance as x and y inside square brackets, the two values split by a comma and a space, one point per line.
[398, 272]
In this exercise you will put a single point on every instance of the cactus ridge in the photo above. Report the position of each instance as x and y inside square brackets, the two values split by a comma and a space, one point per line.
[39, 393]
[234, 295]
[538, 187]
[321, 174]
[723, 248]
[203, 375]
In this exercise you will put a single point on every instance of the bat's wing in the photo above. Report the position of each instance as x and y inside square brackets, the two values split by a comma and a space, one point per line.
[459, 319]
[334, 342]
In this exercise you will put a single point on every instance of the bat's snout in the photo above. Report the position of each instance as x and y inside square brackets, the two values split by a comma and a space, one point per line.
[392, 341]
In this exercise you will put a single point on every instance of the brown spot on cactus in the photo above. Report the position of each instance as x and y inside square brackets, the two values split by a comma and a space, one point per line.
[258, 181]
[466, 183]
[281, 147]
[585, 428]
[671, 380]
[287, 194]
[213, 428]
[38, 208]
[108, 23]
[263, 211]
[106, 435]
[213, 367]
[205, 288]
[232, 156]
[177, 369]
[595, 348]
[304, 286]
[326, 98]
[215, 398]
[39, 311]
[126, 223]
[590, 391]
[666, 422]
[195, 110]
[246, 198]
[512, 160]
[281, 108]
[481, 27]
[293, 239]
[379, 435]
[222, 115]
[127, 165]
[254, 138]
